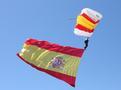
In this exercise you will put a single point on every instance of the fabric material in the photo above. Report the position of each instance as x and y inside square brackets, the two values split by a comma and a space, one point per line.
[87, 22]
[82, 32]
[94, 15]
[59, 61]
[80, 27]
[88, 18]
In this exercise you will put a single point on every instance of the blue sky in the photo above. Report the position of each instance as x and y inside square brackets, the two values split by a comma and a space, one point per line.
[100, 67]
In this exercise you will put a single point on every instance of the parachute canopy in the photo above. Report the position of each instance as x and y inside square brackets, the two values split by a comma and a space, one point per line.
[87, 22]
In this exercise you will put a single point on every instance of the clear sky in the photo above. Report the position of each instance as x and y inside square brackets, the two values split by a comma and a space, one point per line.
[100, 67]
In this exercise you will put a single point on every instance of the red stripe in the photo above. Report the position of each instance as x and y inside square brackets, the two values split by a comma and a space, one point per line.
[55, 47]
[88, 18]
[82, 28]
[69, 79]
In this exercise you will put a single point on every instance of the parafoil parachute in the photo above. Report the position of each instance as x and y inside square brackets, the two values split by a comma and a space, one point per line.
[87, 22]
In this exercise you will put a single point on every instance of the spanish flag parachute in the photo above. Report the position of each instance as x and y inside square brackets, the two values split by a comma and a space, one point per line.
[87, 22]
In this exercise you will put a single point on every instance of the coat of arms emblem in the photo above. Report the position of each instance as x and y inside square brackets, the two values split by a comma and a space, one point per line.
[57, 62]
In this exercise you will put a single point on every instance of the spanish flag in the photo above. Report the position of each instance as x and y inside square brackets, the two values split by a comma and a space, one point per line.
[56, 60]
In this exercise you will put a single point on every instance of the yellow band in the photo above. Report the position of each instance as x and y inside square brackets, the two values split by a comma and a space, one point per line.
[43, 58]
[86, 23]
